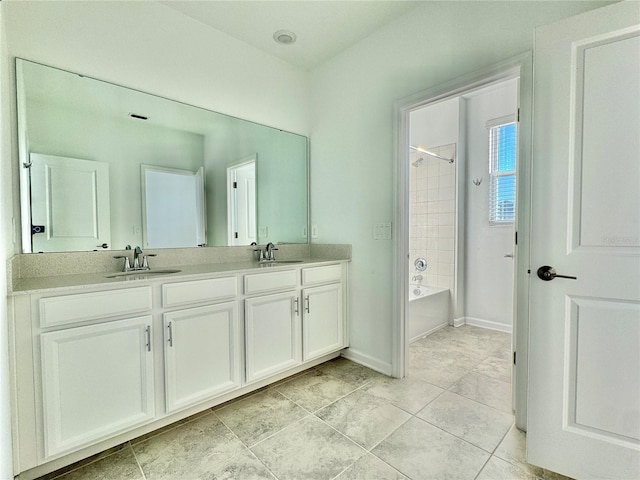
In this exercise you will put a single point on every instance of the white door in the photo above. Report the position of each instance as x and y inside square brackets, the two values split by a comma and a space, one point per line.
[242, 202]
[202, 357]
[272, 335]
[584, 355]
[69, 204]
[97, 381]
[172, 207]
[322, 327]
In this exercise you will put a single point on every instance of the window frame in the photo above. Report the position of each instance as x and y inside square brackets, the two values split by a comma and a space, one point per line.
[493, 127]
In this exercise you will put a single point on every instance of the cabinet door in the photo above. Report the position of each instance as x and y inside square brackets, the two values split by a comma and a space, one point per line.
[322, 323]
[96, 381]
[272, 335]
[202, 357]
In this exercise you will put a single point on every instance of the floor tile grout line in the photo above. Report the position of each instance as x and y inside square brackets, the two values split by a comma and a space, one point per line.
[251, 452]
[271, 435]
[324, 406]
[482, 468]
[144, 477]
[478, 402]
[464, 440]
[79, 467]
[328, 425]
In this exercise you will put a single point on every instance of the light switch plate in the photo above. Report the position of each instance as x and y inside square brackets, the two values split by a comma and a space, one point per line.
[263, 232]
[382, 231]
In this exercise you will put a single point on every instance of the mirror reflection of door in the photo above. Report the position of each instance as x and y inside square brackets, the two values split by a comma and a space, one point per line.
[241, 201]
[69, 204]
[173, 214]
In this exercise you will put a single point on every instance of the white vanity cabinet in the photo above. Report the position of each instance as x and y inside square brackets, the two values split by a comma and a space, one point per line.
[272, 335]
[323, 328]
[322, 321]
[272, 324]
[202, 350]
[96, 366]
[97, 380]
[202, 355]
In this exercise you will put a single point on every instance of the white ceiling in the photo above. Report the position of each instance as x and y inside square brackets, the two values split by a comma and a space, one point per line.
[323, 28]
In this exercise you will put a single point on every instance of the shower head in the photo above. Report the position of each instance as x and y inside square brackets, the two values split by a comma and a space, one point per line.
[418, 162]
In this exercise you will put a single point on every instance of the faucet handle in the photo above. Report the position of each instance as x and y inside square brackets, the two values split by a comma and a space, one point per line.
[145, 262]
[127, 265]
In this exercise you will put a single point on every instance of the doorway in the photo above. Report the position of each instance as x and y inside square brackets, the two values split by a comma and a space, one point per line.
[241, 202]
[485, 267]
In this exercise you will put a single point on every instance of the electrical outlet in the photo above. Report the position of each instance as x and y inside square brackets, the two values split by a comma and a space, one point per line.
[304, 232]
[314, 231]
[263, 232]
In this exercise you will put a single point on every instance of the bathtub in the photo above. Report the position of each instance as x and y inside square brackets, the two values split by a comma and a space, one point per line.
[428, 310]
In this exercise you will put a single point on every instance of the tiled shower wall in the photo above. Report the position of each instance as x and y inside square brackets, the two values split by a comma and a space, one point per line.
[432, 216]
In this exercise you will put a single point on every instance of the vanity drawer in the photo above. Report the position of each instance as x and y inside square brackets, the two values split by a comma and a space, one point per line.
[90, 306]
[318, 275]
[270, 282]
[196, 291]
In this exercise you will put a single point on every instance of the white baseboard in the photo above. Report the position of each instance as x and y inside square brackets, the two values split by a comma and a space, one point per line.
[458, 322]
[479, 322]
[368, 361]
[428, 332]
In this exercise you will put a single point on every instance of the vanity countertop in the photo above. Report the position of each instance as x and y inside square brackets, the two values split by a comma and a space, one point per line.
[60, 283]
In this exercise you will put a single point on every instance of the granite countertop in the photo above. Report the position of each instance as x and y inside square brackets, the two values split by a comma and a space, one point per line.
[44, 284]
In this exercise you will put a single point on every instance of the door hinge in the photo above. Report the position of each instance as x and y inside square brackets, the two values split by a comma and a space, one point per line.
[235, 235]
[516, 237]
[514, 358]
[235, 184]
[518, 115]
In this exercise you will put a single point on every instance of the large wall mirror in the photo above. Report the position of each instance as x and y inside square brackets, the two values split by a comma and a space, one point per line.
[104, 166]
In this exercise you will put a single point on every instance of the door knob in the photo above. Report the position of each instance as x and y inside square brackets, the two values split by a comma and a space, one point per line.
[548, 273]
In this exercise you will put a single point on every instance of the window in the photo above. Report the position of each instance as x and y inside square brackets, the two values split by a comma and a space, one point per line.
[503, 146]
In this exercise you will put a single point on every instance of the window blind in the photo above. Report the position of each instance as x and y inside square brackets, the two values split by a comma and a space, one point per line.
[503, 146]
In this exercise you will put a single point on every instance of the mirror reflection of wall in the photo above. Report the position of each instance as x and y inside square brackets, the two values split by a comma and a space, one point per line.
[172, 208]
[67, 115]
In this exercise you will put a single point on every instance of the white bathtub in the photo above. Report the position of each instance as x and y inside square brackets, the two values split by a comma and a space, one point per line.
[428, 309]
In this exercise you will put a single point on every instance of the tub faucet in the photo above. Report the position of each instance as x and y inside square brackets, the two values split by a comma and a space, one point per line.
[417, 278]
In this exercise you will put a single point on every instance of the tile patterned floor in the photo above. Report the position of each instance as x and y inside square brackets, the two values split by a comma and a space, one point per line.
[449, 419]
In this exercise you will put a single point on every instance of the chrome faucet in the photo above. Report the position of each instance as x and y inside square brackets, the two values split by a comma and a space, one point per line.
[268, 252]
[136, 258]
[137, 252]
